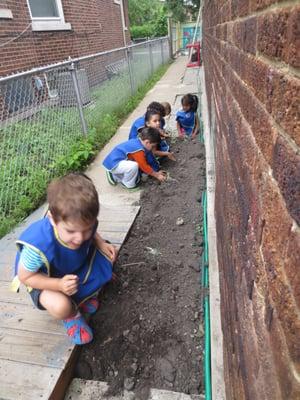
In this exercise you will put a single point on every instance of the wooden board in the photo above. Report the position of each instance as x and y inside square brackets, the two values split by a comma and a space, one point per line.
[33, 365]
[27, 318]
[7, 296]
[34, 348]
[26, 382]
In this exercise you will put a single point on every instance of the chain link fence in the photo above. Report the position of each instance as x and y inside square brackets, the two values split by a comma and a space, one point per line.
[45, 110]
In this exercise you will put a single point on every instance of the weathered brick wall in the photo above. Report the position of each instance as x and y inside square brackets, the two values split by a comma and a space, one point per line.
[251, 53]
[96, 26]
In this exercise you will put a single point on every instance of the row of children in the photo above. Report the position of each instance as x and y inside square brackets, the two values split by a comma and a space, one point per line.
[147, 144]
[62, 259]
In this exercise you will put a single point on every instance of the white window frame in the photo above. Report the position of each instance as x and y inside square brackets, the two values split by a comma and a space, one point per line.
[5, 13]
[50, 23]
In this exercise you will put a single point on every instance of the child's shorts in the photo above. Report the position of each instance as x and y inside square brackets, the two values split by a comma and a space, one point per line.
[35, 297]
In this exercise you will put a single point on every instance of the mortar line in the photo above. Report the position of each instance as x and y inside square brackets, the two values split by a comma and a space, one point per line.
[281, 131]
[273, 7]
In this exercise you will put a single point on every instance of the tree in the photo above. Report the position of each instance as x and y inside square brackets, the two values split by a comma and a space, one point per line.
[147, 18]
[181, 9]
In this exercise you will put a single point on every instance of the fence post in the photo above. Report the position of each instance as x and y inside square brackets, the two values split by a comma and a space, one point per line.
[151, 58]
[162, 50]
[78, 98]
[128, 55]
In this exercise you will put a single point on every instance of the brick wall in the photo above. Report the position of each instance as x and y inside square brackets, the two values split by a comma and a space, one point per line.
[96, 26]
[251, 52]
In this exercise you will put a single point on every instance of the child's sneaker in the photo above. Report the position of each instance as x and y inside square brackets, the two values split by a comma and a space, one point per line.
[133, 189]
[90, 306]
[110, 178]
[78, 330]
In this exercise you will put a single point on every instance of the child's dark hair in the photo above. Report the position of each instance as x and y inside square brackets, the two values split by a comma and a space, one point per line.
[150, 134]
[149, 114]
[191, 100]
[156, 106]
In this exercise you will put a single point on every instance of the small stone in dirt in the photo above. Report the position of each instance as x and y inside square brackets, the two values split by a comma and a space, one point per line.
[195, 266]
[167, 370]
[139, 299]
[126, 333]
[156, 215]
[135, 328]
[179, 221]
[201, 331]
[178, 263]
[125, 284]
[129, 383]
[181, 246]
[134, 368]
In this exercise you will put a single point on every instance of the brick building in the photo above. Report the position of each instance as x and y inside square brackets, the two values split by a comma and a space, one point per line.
[34, 33]
[251, 54]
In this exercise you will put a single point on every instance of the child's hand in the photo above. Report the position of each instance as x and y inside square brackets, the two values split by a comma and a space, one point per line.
[69, 284]
[109, 250]
[171, 156]
[161, 176]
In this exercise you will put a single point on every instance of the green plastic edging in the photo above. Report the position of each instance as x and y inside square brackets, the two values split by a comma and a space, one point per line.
[205, 285]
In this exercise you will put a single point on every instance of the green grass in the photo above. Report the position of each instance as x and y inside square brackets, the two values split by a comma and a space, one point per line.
[51, 143]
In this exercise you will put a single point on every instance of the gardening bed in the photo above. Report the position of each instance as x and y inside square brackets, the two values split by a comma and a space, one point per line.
[148, 332]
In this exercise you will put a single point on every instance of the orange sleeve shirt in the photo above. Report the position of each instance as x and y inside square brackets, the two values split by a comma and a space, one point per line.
[140, 158]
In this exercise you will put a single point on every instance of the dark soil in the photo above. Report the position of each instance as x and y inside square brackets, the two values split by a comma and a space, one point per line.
[149, 330]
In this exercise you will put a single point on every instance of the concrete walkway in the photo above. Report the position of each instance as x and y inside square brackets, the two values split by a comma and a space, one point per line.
[35, 353]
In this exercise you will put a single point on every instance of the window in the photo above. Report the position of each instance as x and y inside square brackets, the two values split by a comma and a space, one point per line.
[45, 8]
[47, 15]
[4, 11]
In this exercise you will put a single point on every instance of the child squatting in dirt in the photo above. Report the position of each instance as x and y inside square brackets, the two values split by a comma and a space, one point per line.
[187, 118]
[124, 163]
[62, 259]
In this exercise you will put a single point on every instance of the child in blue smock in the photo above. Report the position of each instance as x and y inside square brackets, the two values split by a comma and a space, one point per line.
[62, 259]
[153, 120]
[163, 109]
[187, 119]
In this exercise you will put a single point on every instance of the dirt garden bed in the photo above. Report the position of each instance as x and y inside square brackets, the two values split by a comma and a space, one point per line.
[149, 330]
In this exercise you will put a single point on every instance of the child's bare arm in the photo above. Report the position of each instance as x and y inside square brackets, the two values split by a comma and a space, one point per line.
[67, 285]
[196, 127]
[105, 247]
[168, 154]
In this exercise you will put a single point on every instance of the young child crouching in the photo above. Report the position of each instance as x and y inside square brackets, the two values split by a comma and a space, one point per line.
[61, 258]
[124, 163]
[187, 119]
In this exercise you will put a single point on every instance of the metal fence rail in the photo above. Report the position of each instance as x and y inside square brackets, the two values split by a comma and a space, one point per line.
[45, 110]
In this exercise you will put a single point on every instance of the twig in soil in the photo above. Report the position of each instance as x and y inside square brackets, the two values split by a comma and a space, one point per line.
[132, 264]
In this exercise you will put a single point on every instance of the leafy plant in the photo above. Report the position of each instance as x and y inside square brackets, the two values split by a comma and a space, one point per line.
[33, 151]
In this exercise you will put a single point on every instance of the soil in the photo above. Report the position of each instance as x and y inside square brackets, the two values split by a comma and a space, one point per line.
[148, 332]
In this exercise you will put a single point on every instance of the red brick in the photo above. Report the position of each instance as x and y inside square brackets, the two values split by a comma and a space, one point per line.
[244, 35]
[263, 131]
[291, 53]
[286, 170]
[239, 8]
[261, 4]
[278, 35]
[292, 262]
[278, 92]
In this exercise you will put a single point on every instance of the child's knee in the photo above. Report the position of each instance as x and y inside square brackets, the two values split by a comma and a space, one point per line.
[58, 305]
